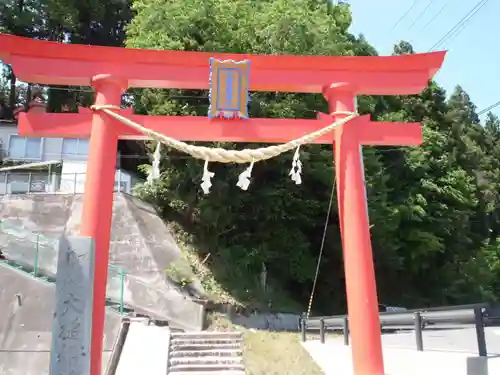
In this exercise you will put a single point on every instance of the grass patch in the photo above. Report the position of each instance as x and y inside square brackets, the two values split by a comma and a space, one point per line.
[224, 281]
[270, 353]
[190, 268]
[277, 353]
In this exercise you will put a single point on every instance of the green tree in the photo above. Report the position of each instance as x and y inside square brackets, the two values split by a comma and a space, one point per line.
[73, 21]
[433, 209]
[284, 233]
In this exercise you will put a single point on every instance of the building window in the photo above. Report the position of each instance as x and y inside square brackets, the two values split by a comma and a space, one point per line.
[75, 147]
[25, 148]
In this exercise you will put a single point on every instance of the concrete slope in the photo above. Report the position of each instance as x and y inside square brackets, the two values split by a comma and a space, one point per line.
[140, 243]
[26, 306]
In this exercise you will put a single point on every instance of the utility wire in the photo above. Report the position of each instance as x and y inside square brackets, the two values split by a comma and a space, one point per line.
[488, 109]
[463, 26]
[322, 247]
[421, 14]
[415, 2]
[434, 18]
[460, 24]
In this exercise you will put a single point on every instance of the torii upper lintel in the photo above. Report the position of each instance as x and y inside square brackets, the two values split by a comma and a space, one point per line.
[53, 63]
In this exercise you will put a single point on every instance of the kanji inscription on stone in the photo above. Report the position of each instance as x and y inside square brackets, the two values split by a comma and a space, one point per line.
[72, 323]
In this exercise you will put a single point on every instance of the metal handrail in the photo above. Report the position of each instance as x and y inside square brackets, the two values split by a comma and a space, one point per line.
[41, 245]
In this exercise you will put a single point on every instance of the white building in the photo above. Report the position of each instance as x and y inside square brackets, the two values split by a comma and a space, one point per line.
[68, 176]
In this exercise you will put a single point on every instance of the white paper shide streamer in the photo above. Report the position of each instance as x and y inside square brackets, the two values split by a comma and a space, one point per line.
[154, 172]
[244, 178]
[206, 179]
[296, 171]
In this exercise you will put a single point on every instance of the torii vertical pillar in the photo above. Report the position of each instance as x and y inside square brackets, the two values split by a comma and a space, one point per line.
[98, 202]
[364, 323]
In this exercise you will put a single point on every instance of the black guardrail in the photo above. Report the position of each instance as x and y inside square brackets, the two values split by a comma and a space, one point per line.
[479, 315]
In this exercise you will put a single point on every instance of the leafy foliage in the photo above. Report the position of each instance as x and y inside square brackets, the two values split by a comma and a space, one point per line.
[70, 21]
[434, 209]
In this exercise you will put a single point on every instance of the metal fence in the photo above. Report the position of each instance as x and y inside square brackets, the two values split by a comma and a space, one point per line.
[48, 182]
[477, 315]
[36, 254]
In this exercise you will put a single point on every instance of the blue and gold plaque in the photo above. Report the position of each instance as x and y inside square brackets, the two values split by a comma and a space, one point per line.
[228, 89]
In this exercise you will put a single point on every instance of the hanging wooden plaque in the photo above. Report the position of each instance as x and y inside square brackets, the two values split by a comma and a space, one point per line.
[228, 89]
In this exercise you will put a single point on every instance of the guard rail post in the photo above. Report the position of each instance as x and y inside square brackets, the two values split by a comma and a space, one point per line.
[322, 330]
[417, 319]
[345, 330]
[30, 177]
[303, 328]
[481, 339]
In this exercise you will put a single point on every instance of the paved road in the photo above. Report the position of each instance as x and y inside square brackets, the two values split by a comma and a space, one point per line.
[463, 340]
[445, 352]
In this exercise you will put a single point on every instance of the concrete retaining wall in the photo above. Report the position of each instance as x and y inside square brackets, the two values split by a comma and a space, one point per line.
[140, 243]
[26, 307]
[271, 322]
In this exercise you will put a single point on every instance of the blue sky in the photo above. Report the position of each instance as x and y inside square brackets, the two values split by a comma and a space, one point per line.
[473, 59]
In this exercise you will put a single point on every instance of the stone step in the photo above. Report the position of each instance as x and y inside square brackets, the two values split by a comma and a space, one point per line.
[213, 341]
[205, 367]
[224, 361]
[207, 353]
[193, 347]
[206, 335]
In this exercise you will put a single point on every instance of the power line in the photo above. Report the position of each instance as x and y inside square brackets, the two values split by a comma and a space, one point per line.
[434, 18]
[462, 27]
[460, 24]
[488, 109]
[405, 14]
[421, 14]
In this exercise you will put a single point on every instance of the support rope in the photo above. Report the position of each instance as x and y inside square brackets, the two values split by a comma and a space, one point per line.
[323, 239]
[223, 155]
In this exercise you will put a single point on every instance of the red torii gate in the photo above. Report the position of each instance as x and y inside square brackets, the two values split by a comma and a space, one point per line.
[111, 70]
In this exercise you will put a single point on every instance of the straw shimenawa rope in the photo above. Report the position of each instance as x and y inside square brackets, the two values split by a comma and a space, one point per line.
[222, 155]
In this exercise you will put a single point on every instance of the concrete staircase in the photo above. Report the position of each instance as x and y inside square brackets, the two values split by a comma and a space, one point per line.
[206, 353]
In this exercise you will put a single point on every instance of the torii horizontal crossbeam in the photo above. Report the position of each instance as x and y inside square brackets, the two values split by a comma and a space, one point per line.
[203, 129]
